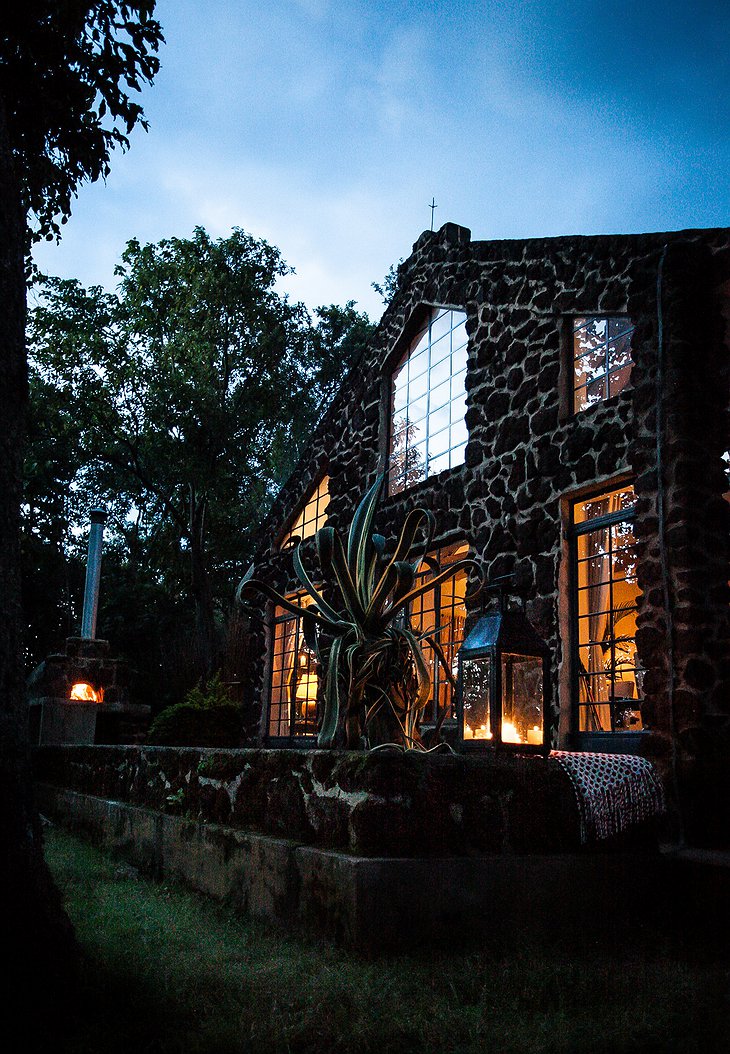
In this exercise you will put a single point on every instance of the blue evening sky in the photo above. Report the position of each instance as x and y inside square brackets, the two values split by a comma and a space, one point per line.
[326, 126]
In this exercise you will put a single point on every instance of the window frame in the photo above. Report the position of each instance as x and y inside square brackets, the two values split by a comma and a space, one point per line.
[291, 738]
[433, 556]
[569, 360]
[419, 322]
[614, 739]
[287, 535]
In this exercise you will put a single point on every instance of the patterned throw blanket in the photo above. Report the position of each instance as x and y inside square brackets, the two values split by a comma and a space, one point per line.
[614, 791]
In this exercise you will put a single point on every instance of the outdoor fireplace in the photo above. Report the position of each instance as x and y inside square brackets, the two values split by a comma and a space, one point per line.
[503, 697]
[82, 694]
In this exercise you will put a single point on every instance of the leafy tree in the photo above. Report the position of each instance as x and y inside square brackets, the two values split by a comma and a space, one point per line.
[66, 71]
[389, 286]
[192, 390]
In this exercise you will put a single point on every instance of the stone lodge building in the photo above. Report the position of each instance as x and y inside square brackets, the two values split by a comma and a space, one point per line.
[562, 405]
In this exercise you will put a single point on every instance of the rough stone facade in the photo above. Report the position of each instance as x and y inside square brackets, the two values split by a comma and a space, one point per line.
[528, 454]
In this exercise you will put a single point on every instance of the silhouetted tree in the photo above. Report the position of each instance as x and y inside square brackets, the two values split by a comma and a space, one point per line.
[66, 70]
[191, 391]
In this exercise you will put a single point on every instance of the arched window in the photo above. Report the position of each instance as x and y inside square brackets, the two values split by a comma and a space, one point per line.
[312, 516]
[428, 401]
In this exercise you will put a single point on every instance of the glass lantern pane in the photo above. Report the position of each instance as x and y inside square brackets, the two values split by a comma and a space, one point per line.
[522, 699]
[475, 680]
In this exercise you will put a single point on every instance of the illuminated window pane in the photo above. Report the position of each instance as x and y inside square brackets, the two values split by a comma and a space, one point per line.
[313, 515]
[606, 590]
[294, 680]
[428, 402]
[601, 359]
[441, 613]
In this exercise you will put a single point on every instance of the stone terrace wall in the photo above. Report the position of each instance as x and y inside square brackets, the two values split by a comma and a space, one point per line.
[527, 452]
[369, 805]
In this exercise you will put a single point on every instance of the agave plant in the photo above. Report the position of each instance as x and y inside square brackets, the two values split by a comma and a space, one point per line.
[377, 680]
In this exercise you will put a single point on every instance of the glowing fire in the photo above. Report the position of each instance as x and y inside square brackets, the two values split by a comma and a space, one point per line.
[509, 733]
[84, 693]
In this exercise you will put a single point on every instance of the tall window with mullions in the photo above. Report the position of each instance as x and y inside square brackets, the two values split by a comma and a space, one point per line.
[440, 613]
[428, 401]
[607, 680]
[294, 676]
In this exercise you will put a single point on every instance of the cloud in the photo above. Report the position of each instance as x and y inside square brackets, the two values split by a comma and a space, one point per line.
[326, 128]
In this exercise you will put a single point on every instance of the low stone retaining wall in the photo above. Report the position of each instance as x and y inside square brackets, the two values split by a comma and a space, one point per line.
[375, 851]
[566, 901]
[366, 804]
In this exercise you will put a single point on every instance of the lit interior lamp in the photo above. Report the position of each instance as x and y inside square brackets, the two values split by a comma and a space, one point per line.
[306, 691]
[504, 685]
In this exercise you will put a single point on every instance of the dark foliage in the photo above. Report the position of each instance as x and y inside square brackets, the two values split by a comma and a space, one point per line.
[67, 68]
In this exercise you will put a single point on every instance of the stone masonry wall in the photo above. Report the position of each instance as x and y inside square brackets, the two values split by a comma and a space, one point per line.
[527, 453]
[366, 804]
[683, 524]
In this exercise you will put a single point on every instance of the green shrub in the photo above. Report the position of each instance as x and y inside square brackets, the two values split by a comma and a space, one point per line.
[209, 695]
[206, 718]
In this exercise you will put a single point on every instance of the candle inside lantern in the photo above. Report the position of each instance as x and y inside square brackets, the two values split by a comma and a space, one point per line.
[534, 735]
[510, 733]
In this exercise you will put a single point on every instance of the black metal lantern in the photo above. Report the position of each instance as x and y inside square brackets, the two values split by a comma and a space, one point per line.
[504, 694]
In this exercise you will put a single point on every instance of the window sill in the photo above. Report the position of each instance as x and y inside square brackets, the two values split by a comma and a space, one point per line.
[611, 742]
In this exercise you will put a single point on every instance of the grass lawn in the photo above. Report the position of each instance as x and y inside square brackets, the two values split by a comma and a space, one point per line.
[166, 971]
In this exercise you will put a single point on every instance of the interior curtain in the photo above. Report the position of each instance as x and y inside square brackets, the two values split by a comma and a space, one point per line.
[288, 673]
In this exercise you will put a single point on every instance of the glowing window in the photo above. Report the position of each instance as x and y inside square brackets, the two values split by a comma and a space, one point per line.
[313, 515]
[428, 402]
[601, 359]
[294, 680]
[441, 612]
[608, 680]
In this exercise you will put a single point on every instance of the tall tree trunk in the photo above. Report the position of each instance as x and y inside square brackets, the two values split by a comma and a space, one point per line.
[38, 944]
[202, 592]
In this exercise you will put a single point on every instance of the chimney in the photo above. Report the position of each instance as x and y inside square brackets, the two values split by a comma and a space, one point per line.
[93, 574]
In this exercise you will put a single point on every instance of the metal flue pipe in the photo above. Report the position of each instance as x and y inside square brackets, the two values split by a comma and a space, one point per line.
[93, 575]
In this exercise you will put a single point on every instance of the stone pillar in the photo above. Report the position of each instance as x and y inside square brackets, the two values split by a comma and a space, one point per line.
[683, 528]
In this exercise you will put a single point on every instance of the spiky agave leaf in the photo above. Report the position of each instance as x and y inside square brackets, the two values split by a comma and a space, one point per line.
[467, 563]
[359, 540]
[332, 556]
[331, 709]
[337, 627]
[413, 523]
[377, 560]
[326, 609]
